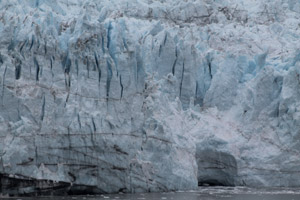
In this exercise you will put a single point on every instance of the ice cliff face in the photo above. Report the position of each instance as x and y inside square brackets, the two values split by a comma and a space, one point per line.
[135, 96]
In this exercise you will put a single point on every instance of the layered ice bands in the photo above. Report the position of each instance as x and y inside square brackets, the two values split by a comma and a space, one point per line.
[149, 95]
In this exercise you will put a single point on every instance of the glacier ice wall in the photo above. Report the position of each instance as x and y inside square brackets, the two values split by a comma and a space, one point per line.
[127, 95]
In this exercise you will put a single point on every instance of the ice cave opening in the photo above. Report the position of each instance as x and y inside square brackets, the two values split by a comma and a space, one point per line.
[216, 168]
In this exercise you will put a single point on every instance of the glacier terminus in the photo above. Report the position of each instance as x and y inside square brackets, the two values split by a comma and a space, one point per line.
[148, 95]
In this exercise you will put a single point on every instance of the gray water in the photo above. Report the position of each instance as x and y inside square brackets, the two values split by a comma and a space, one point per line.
[203, 193]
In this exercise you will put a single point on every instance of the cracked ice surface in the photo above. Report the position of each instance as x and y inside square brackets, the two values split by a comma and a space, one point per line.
[121, 95]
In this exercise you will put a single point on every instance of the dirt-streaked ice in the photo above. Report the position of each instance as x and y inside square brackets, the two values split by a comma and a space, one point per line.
[122, 95]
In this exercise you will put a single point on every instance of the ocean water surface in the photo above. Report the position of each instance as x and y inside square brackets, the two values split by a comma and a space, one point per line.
[203, 193]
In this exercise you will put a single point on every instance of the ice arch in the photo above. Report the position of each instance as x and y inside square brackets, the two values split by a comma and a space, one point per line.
[216, 168]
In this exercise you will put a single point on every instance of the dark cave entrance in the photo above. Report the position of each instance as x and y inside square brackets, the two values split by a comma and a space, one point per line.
[216, 168]
[210, 182]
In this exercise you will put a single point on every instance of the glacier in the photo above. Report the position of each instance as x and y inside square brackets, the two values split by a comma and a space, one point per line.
[151, 95]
